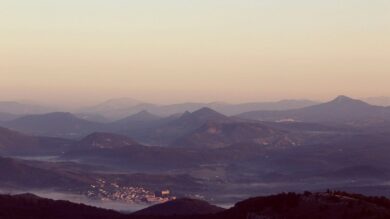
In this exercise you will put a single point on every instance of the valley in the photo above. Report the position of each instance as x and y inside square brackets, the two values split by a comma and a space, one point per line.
[199, 155]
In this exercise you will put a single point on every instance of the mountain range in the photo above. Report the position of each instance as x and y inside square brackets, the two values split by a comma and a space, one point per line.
[209, 127]
[214, 134]
[18, 175]
[116, 109]
[57, 124]
[120, 108]
[339, 144]
[15, 143]
[340, 110]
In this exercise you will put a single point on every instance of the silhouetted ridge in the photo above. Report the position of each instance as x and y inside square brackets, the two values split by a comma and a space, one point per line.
[16, 143]
[58, 124]
[207, 114]
[184, 206]
[17, 174]
[186, 113]
[328, 205]
[33, 207]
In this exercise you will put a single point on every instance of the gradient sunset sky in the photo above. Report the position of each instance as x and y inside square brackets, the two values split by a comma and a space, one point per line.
[82, 51]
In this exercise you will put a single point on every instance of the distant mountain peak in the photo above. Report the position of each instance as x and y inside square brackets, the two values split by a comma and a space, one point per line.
[186, 113]
[342, 109]
[142, 116]
[343, 98]
[205, 111]
[114, 108]
[57, 124]
[204, 114]
[143, 113]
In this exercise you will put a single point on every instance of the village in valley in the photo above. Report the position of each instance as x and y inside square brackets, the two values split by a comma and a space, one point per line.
[111, 191]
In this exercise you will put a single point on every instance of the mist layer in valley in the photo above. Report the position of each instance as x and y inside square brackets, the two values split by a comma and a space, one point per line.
[147, 157]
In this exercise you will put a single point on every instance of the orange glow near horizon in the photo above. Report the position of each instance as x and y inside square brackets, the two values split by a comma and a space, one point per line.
[82, 51]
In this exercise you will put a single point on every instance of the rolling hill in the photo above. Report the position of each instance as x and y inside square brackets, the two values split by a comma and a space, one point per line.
[183, 206]
[15, 174]
[327, 205]
[224, 134]
[57, 124]
[168, 132]
[15, 143]
[103, 140]
[335, 205]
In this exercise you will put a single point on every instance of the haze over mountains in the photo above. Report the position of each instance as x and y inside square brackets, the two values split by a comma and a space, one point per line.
[149, 128]
[23, 108]
[340, 144]
[115, 109]
[119, 108]
[340, 110]
[194, 109]
[12, 142]
[57, 124]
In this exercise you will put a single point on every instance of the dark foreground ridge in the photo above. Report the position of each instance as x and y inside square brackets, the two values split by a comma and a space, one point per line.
[335, 205]
[183, 206]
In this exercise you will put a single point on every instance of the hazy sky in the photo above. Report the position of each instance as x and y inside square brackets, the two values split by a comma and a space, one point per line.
[194, 50]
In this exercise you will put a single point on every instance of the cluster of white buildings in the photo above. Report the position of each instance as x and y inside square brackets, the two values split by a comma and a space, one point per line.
[108, 191]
